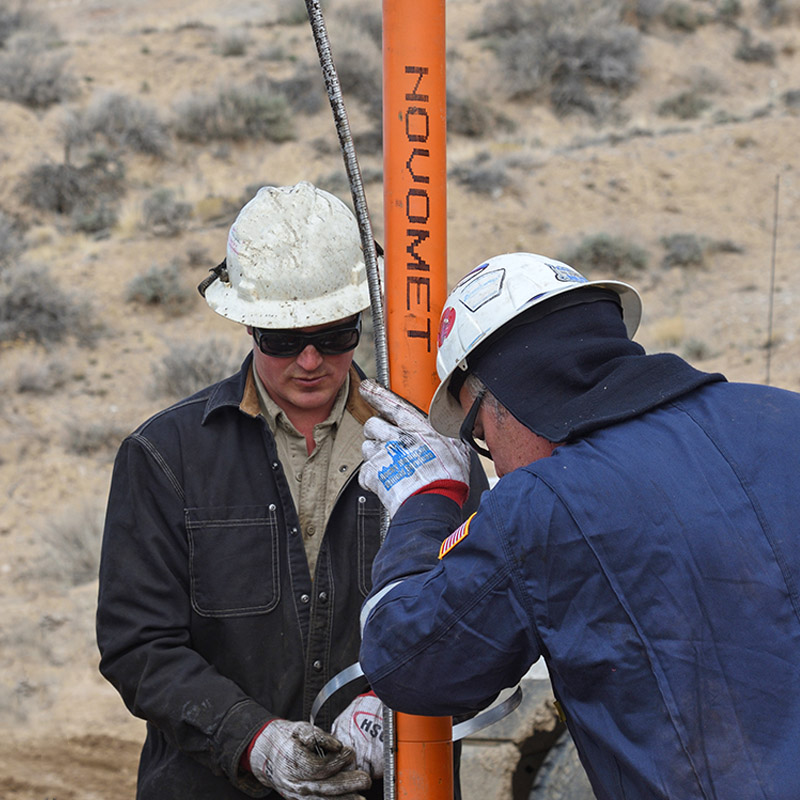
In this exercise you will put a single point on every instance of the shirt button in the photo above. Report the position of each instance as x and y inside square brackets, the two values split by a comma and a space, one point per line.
[304, 598]
[323, 597]
[343, 468]
[311, 530]
[317, 665]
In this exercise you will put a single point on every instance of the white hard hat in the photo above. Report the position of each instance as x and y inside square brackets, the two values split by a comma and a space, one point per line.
[491, 295]
[294, 259]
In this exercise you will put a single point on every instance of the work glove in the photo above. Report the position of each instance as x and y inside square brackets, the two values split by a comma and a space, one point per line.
[302, 762]
[403, 453]
[360, 727]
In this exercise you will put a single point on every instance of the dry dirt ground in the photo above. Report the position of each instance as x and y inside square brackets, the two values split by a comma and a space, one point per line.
[63, 732]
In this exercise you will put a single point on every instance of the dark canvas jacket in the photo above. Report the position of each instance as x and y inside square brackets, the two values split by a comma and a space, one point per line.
[208, 621]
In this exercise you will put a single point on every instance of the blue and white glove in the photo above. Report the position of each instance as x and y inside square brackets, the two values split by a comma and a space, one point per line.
[403, 453]
[360, 727]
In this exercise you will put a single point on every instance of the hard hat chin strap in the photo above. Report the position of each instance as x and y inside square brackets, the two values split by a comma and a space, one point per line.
[220, 272]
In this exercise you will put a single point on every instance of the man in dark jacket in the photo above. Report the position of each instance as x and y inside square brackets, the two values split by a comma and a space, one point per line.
[238, 543]
[644, 538]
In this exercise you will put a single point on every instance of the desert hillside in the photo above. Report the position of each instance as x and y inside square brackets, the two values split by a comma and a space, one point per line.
[652, 140]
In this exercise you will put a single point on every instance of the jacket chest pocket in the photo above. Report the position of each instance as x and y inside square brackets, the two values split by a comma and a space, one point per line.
[233, 560]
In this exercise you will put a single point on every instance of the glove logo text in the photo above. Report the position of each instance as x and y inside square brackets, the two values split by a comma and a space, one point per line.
[404, 462]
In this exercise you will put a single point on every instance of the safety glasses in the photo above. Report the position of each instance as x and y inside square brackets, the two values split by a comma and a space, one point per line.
[465, 432]
[290, 343]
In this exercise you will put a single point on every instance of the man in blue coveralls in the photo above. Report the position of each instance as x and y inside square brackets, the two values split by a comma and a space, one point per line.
[642, 538]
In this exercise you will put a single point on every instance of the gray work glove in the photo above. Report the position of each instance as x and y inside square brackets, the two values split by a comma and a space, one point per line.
[360, 727]
[403, 453]
[302, 762]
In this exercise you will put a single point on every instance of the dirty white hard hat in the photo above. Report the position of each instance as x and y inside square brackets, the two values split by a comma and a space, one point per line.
[490, 296]
[294, 259]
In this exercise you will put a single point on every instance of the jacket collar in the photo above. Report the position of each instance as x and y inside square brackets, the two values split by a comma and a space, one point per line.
[239, 391]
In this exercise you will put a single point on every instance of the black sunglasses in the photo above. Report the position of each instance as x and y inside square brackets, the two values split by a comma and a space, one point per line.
[465, 432]
[290, 343]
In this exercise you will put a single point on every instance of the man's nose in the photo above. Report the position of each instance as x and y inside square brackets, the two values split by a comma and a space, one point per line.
[310, 358]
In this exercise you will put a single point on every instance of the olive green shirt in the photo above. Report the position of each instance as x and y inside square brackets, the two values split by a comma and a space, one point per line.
[315, 480]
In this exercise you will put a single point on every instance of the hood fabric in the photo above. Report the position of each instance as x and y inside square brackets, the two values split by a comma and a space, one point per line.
[575, 370]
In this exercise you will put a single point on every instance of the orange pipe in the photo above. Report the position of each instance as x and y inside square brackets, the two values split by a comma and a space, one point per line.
[415, 257]
[424, 757]
[415, 192]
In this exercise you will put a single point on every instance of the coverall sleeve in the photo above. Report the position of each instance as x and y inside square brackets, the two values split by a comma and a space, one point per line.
[443, 635]
[143, 622]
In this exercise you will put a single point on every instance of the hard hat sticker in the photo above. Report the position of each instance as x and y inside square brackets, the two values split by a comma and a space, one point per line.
[455, 537]
[482, 288]
[565, 273]
[471, 274]
[446, 324]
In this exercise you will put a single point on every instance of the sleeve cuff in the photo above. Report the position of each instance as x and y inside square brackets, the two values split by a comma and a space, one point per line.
[454, 490]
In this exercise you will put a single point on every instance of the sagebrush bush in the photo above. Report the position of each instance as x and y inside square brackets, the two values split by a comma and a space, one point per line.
[95, 216]
[567, 48]
[34, 75]
[483, 175]
[160, 286]
[367, 17]
[754, 52]
[101, 437]
[71, 542]
[776, 12]
[254, 111]
[606, 254]
[358, 64]
[682, 16]
[123, 122]
[64, 187]
[190, 366]
[682, 250]
[15, 19]
[163, 214]
[688, 104]
[34, 308]
[468, 115]
[41, 376]
[233, 44]
[10, 240]
[304, 90]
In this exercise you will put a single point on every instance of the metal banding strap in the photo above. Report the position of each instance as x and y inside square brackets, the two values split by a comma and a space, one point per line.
[488, 717]
[347, 675]
[366, 609]
[462, 730]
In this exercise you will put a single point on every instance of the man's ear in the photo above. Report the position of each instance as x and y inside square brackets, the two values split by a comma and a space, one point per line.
[249, 330]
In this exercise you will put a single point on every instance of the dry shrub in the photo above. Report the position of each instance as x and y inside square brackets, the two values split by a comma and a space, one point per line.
[604, 254]
[41, 377]
[190, 366]
[32, 74]
[95, 438]
[164, 214]
[62, 188]
[34, 308]
[254, 111]
[574, 50]
[683, 250]
[71, 544]
[160, 286]
[122, 122]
